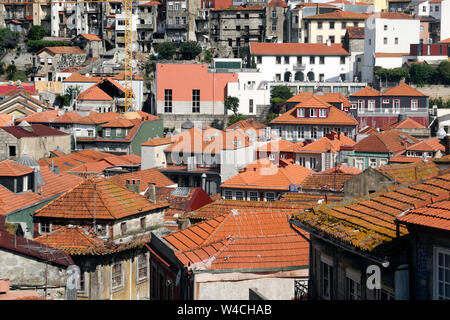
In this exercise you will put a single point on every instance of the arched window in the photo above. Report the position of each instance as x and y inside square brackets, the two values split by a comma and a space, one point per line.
[310, 76]
[299, 76]
[287, 76]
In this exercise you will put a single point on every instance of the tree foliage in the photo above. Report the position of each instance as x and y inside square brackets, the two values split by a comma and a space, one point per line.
[67, 98]
[36, 33]
[270, 116]
[444, 72]
[166, 50]
[440, 103]
[208, 56]
[395, 74]
[236, 118]
[232, 104]
[8, 39]
[421, 74]
[36, 45]
[190, 50]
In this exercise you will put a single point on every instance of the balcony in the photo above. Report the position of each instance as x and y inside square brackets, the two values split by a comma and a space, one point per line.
[299, 67]
[176, 26]
[145, 26]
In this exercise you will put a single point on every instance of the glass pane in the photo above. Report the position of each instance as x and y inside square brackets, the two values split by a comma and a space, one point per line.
[441, 274]
[440, 259]
[447, 290]
[441, 288]
[447, 260]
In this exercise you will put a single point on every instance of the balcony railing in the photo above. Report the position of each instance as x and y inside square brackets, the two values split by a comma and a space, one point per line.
[299, 67]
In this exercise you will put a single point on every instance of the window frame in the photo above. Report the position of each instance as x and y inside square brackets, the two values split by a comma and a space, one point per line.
[115, 288]
[371, 104]
[251, 194]
[416, 108]
[168, 100]
[139, 268]
[195, 100]
[436, 252]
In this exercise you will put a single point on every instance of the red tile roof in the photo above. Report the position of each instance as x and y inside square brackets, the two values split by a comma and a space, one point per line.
[76, 77]
[403, 90]
[391, 54]
[326, 181]
[277, 3]
[338, 15]
[387, 141]
[56, 184]
[10, 201]
[118, 123]
[263, 174]
[9, 168]
[5, 119]
[368, 224]
[401, 158]
[434, 215]
[431, 144]
[62, 50]
[327, 97]
[241, 239]
[40, 117]
[393, 15]
[297, 49]
[343, 169]
[445, 41]
[366, 92]
[90, 37]
[325, 145]
[99, 197]
[68, 117]
[37, 130]
[121, 76]
[94, 93]
[355, 32]
[277, 146]
[246, 124]
[159, 141]
[145, 176]
[70, 237]
[410, 172]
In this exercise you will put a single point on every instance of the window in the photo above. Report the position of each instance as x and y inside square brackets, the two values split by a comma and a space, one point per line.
[312, 163]
[142, 267]
[45, 227]
[441, 274]
[422, 29]
[331, 38]
[12, 151]
[238, 28]
[312, 59]
[143, 223]
[286, 60]
[228, 195]
[168, 100]
[384, 40]
[322, 113]
[270, 196]
[49, 61]
[342, 60]
[107, 132]
[370, 42]
[238, 42]
[332, 25]
[436, 8]
[177, 20]
[259, 59]
[230, 42]
[299, 60]
[278, 76]
[123, 228]
[386, 101]
[353, 289]
[313, 113]
[274, 26]
[424, 9]
[373, 162]
[254, 196]
[319, 39]
[278, 60]
[322, 60]
[344, 25]
[117, 275]
[274, 13]
[25, 183]
[300, 113]
[250, 105]
[84, 284]
[360, 106]
[396, 40]
[239, 195]
[314, 133]
[414, 105]
[326, 279]
[90, 133]
[371, 105]
[396, 106]
[301, 132]
[118, 131]
[195, 101]
[183, 19]
[385, 27]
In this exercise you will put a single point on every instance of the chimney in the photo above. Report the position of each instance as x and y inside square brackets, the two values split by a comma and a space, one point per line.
[204, 181]
[151, 193]
[35, 178]
[133, 185]
[56, 170]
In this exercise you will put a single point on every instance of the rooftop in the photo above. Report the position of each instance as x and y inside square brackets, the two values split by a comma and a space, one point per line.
[145, 177]
[9, 168]
[391, 141]
[32, 130]
[411, 172]
[338, 15]
[297, 49]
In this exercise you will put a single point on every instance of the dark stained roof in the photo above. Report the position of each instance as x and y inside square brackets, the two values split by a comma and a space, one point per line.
[355, 32]
[38, 130]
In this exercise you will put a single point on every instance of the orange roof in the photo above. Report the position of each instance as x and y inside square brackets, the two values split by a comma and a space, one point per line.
[56, 184]
[159, 141]
[241, 239]
[145, 177]
[90, 37]
[326, 181]
[390, 54]
[263, 174]
[434, 215]
[297, 49]
[366, 92]
[62, 50]
[76, 77]
[100, 198]
[368, 224]
[277, 146]
[9, 168]
[40, 117]
[338, 15]
[401, 158]
[391, 141]
[139, 115]
[277, 3]
[431, 144]
[94, 93]
[408, 123]
[316, 4]
[327, 97]
[325, 145]
[335, 117]
[99, 118]
[5, 119]
[445, 41]
[95, 168]
[70, 237]
[403, 90]
[151, 3]
[343, 169]
[247, 123]
[10, 201]
[393, 15]
[118, 123]
[410, 172]
[71, 69]
[121, 76]
[68, 117]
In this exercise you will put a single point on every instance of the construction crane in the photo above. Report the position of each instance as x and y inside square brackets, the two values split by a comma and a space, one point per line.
[128, 12]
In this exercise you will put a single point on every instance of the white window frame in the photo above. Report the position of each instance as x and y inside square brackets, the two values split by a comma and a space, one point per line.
[140, 267]
[371, 105]
[44, 232]
[107, 132]
[300, 113]
[228, 193]
[266, 196]
[118, 131]
[416, 104]
[322, 113]
[352, 277]
[241, 195]
[251, 195]
[386, 101]
[436, 252]
[25, 183]
[372, 160]
[395, 109]
[361, 104]
[313, 113]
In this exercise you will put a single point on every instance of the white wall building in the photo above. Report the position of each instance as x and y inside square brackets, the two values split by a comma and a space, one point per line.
[301, 61]
[428, 8]
[387, 38]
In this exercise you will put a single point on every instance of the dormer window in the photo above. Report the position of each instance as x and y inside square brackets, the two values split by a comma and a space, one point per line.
[322, 113]
[300, 113]
[313, 113]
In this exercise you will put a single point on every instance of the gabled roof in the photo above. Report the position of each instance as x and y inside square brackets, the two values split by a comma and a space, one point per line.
[246, 124]
[90, 37]
[368, 224]
[431, 145]
[335, 117]
[9, 168]
[326, 181]
[56, 184]
[343, 169]
[68, 237]
[62, 50]
[325, 144]
[434, 215]
[403, 90]
[277, 146]
[118, 123]
[263, 174]
[10, 201]
[241, 239]
[121, 76]
[145, 176]
[338, 15]
[277, 3]
[159, 141]
[366, 92]
[391, 141]
[326, 97]
[408, 123]
[76, 77]
[68, 117]
[94, 93]
[355, 32]
[297, 49]
[445, 41]
[410, 172]
[97, 197]
[40, 117]
[37, 130]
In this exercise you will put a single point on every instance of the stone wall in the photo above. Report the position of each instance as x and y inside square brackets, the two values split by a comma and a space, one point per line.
[7, 140]
[435, 91]
[176, 120]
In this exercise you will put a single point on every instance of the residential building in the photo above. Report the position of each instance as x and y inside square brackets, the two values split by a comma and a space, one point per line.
[36, 140]
[330, 27]
[301, 61]
[346, 251]
[387, 37]
[89, 43]
[354, 44]
[147, 24]
[409, 126]
[312, 120]
[445, 22]
[275, 150]
[263, 181]
[421, 151]
[176, 21]
[275, 20]
[377, 109]
[21, 104]
[427, 8]
[337, 100]
[373, 180]
[50, 60]
[325, 183]
[213, 251]
[430, 53]
[378, 148]
[119, 30]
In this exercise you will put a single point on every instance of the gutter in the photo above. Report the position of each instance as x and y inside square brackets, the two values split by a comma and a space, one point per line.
[385, 263]
[249, 270]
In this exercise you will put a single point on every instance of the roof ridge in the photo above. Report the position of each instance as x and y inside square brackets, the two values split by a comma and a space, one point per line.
[227, 216]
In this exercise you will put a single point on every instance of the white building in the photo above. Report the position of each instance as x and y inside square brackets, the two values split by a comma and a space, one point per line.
[120, 31]
[428, 8]
[301, 61]
[387, 38]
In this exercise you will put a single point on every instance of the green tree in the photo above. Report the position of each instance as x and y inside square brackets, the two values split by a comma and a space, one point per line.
[443, 71]
[278, 97]
[253, 63]
[67, 98]
[208, 56]
[395, 74]
[36, 33]
[166, 50]
[232, 104]
[190, 50]
[270, 116]
[8, 39]
[236, 118]
[11, 71]
[421, 74]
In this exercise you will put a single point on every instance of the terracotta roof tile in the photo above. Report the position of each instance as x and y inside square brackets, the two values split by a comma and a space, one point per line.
[400, 158]
[387, 141]
[355, 32]
[343, 169]
[431, 144]
[70, 237]
[277, 3]
[326, 181]
[9, 168]
[338, 15]
[62, 50]
[159, 141]
[297, 49]
[40, 117]
[37, 130]
[99, 197]
[10, 201]
[277, 146]
[412, 172]
[121, 76]
[94, 93]
[118, 123]
[403, 90]
[76, 77]
[408, 123]
[366, 92]
[56, 184]
[90, 37]
[145, 176]
[247, 123]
